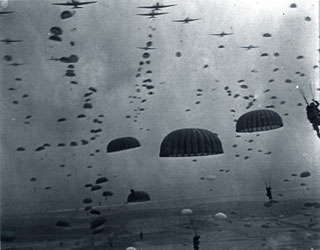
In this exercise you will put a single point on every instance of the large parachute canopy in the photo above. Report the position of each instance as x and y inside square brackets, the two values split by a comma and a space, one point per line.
[138, 196]
[258, 120]
[190, 142]
[123, 143]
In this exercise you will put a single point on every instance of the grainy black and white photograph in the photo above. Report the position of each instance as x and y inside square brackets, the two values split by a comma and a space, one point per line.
[160, 125]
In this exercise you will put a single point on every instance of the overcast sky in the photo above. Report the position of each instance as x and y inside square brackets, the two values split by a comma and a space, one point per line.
[106, 36]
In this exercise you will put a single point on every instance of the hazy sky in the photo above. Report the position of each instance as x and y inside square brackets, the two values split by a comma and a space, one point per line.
[106, 37]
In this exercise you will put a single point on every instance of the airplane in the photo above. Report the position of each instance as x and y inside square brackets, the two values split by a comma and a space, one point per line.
[157, 6]
[249, 47]
[74, 3]
[153, 14]
[186, 20]
[5, 12]
[16, 64]
[222, 34]
[146, 48]
[9, 41]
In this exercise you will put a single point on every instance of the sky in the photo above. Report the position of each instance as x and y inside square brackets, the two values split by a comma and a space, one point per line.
[187, 61]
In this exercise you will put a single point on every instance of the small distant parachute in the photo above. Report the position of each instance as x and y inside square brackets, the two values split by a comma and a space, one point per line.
[33, 179]
[138, 196]
[186, 211]
[131, 248]
[95, 212]
[7, 58]
[87, 200]
[97, 222]
[107, 194]
[190, 142]
[101, 180]
[7, 236]
[305, 174]
[98, 230]
[56, 31]
[95, 187]
[66, 14]
[88, 185]
[62, 223]
[123, 143]
[55, 38]
[258, 120]
[220, 216]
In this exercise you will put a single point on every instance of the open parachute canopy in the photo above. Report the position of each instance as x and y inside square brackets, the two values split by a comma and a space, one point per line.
[138, 196]
[258, 120]
[123, 143]
[190, 142]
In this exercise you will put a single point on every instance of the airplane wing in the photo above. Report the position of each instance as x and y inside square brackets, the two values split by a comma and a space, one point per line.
[5, 12]
[245, 47]
[15, 41]
[145, 48]
[215, 34]
[153, 14]
[83, 3]
[195, 19]
[156, 6]
[146, 7]
[179, 21]
[166, 6]
[64, 4]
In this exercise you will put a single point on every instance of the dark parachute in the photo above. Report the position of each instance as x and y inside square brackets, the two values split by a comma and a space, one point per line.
[95, 187]
[66, 14]
[55, 38]
[56, 31]
[101, 180]
[190, 142]
[87, 200]
[107, 193]
[258, 120]
[62, 223]
[138, 196]
[123, 143]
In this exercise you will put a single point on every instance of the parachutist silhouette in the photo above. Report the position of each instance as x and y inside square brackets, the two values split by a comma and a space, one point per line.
[268, 191]
[196, 242]
[313, 114]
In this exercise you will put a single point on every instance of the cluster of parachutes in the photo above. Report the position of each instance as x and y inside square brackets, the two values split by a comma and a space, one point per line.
[190, 142]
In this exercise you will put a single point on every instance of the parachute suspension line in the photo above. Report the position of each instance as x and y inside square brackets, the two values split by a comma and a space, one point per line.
[311, 90]
[302, 94]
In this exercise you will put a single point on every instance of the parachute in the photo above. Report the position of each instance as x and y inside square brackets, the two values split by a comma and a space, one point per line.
[101, 180]
[220, 216]
[66, 14]
[138, 196]
[190, 142]
[56, 31]
[186, 211]
[258, 120]
[123, 143]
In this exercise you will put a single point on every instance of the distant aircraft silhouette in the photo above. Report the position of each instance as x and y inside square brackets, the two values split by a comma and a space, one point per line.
[157, 6]
[249, 47]
[74, 3]
[9, 41]
[153, 14]
[16, 64]
[5, 12]
[222, 34]
[186, 20]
